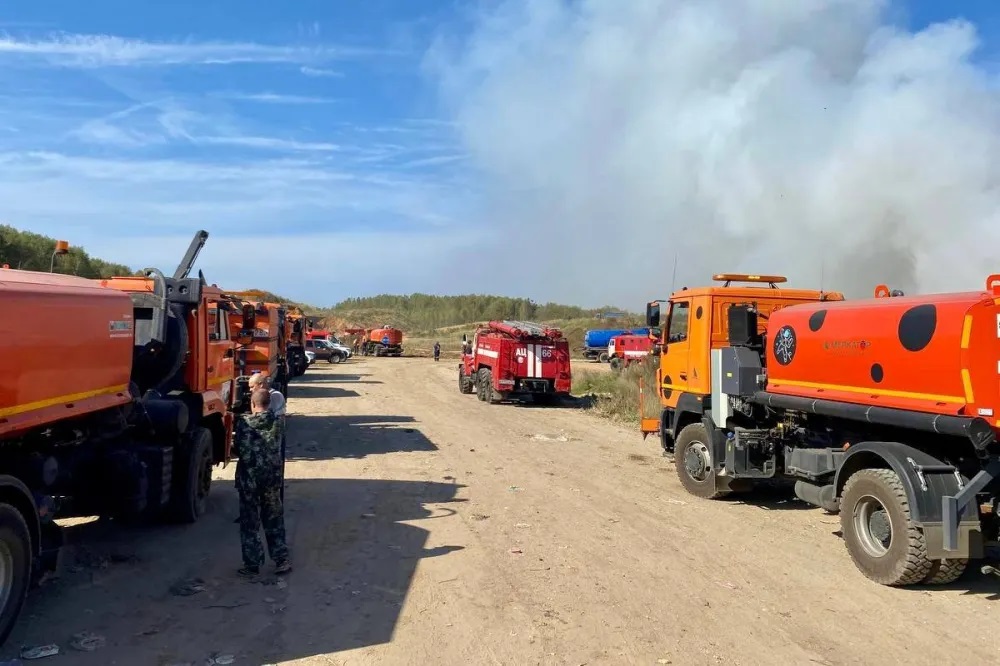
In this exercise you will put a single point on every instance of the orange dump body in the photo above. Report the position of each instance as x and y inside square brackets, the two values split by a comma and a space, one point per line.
[394, 335]
[262, 354]
[66, 348]
[936, 353]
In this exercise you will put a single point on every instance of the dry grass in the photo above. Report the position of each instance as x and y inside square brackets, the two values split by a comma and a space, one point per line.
[617, 393]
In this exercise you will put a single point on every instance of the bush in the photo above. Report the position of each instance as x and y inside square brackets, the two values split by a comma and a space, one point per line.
[616, 394]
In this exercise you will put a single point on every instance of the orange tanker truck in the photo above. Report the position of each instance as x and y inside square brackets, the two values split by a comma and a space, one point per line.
[385, 341]
[884, 410]
[127, 419]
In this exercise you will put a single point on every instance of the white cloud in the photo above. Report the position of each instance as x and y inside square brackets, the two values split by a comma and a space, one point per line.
[274, 98]
[268, 143]
[807, 138]
[87, 51]
[320, 72]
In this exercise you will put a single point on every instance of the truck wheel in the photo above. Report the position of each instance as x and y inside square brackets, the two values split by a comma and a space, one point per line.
[882, 540]
[616, 363]
[194, 480]
[485, 385]
[602, 357]
[15, 567]
[465, 383]
[693, 461]
[945, 571]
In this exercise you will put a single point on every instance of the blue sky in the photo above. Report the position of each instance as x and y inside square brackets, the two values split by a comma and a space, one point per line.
[307, 137]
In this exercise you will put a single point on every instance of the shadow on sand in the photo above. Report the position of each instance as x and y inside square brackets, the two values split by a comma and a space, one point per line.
[354, 557]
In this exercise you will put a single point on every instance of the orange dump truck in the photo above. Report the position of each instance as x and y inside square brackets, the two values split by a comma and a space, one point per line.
[884, 410]
[263, 325]
[125, 417]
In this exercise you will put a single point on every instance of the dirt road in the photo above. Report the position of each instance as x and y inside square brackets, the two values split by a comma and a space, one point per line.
[429, 528]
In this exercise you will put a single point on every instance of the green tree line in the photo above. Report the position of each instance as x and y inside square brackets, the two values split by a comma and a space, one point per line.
[428, 312]
[33, 252]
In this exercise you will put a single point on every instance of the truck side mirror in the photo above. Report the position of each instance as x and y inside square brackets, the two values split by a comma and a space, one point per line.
[465, 338]
[652, 314]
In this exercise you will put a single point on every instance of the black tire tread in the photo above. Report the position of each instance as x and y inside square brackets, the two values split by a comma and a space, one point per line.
[944, 572]
[917, 565]
[13, 522]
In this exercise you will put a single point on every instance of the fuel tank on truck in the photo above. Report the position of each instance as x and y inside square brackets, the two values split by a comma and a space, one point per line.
[936, 353]
[65, 348]
[394, 335]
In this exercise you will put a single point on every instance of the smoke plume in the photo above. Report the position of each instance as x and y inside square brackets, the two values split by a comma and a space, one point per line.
[809, 138]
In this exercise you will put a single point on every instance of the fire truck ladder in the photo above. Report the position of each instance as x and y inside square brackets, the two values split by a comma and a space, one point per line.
[526, 328]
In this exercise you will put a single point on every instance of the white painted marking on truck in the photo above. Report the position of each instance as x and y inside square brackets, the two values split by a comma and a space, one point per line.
[531, 360]
[489, 353]
[539, 353]
[998, 325]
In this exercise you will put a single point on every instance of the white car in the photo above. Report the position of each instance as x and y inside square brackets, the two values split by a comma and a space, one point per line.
[337, 344]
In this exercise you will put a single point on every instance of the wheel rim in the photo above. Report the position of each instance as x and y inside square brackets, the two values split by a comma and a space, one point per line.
[873, 526]
[698, 461]
[6, 574]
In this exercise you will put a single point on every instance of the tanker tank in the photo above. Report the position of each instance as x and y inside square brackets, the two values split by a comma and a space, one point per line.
[68, 345]
[932, 353]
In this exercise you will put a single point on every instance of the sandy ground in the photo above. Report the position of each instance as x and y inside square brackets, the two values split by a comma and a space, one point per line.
[429, 528]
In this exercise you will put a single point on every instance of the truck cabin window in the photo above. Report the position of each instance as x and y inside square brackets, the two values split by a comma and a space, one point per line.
[677, 330]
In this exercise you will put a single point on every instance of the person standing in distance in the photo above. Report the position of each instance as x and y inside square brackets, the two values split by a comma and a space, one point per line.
[258, 481]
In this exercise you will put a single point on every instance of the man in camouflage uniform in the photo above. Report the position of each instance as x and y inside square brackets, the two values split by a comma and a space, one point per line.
[258, 481]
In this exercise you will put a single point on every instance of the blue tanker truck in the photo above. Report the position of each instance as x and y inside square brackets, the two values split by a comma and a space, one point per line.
[595, 341]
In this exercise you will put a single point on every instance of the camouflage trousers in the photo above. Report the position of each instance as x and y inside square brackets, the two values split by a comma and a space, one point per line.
[262, 506]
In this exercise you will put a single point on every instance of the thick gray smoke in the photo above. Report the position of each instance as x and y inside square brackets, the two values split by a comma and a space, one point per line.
[806, 137]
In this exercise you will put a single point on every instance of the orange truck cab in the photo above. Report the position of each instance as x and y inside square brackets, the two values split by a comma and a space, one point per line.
[697, 322]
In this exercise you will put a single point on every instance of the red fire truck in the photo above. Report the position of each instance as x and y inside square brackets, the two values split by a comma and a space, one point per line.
[508, 359]
[624, 350]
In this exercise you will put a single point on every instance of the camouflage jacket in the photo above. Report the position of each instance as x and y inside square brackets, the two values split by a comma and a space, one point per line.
[258, 444]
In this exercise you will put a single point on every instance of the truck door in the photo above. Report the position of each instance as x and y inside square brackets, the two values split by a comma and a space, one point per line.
[676, 354]
[220, 347]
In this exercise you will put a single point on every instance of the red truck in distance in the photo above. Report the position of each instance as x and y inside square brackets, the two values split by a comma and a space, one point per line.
[516, 359]
[625, 350]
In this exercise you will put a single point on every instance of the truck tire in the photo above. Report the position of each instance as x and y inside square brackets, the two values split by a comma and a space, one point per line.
[945, 571]
[485, 385]
[694, 464]
[194, 477]
[616, 363]
[465, 383]
[873, 507]
[15, 567]
[603, 357]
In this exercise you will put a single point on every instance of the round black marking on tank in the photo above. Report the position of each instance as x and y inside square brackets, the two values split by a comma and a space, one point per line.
[816, 320]
[917, 326]
[877, 372]
[698, 312]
